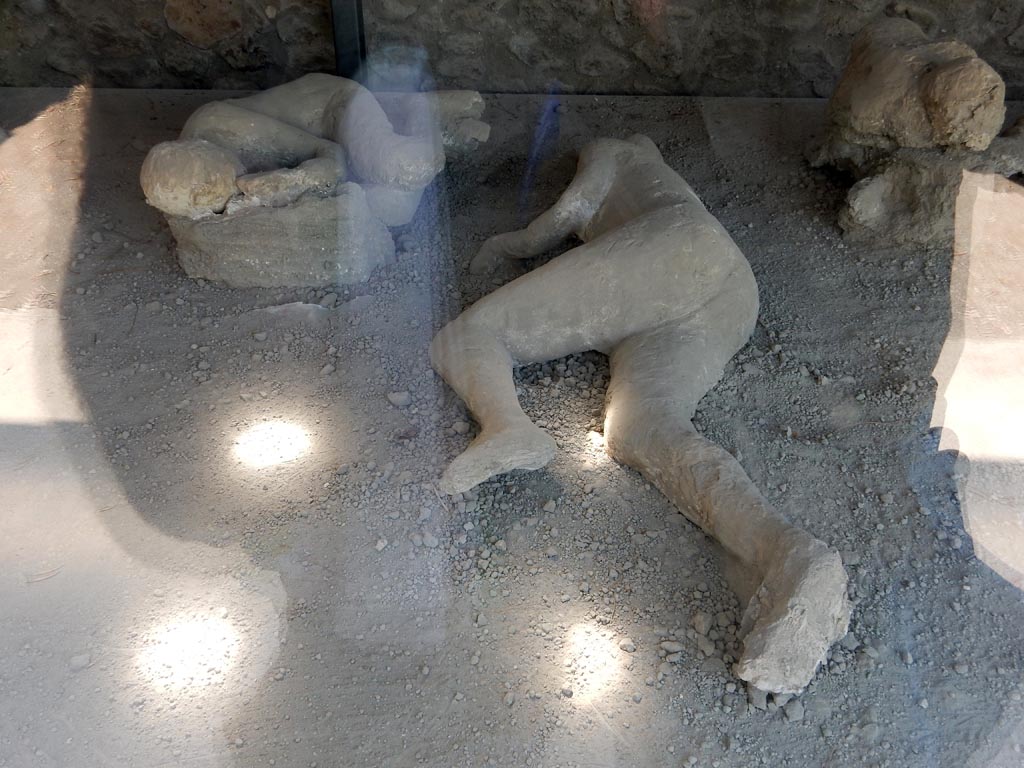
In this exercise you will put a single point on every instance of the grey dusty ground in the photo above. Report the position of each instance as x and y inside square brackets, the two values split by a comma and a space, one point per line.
[167, 602]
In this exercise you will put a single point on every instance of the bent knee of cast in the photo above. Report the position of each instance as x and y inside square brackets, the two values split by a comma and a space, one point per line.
[380, 155]
[467, 337]
[445, 346]
[439, 347]
[636, 427]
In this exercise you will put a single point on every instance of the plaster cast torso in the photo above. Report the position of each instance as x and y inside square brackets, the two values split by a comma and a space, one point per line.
[297, 185]
[652, 254]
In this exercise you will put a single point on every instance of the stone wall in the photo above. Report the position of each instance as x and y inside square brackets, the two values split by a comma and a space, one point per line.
[163, 43]
[712, 47]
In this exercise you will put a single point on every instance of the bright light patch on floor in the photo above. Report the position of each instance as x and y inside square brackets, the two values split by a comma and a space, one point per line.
[596, 453]
[593, 660]
[193, 652]
[274, 442]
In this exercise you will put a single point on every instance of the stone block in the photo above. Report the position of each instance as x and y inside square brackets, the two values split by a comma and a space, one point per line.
[314, 241]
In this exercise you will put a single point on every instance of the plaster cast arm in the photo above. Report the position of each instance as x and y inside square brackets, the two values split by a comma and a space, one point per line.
[570, 215]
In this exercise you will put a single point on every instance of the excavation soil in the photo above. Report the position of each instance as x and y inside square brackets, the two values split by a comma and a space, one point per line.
[169, 601]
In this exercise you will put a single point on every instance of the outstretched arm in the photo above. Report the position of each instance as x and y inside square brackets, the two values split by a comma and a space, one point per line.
[572, 212]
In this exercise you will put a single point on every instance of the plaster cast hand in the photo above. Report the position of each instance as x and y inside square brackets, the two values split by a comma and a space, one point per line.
[545, 232]
[492, 253]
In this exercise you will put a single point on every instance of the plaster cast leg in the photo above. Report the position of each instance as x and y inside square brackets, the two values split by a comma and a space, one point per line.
[377, 154]
[573, 303]
[658, 377]
[477, 365]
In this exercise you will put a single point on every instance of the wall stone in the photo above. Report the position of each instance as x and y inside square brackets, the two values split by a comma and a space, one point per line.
[709, 47]
[204, 23]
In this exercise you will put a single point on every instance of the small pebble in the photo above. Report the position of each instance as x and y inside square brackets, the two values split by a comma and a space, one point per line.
[794, 711]
[400, 399]
[701, 622]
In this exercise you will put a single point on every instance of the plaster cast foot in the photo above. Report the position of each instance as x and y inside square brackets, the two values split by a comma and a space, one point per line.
[799, 610]
[526, 447]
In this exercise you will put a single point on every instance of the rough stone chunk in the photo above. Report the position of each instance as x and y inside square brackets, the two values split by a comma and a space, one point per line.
[901, 90]
[314, 241]
[189, 178]
[204, 22]
[758, 699]
[794, 710]
[701, 622]
[908, 117]
[964, 102]
[910, 197]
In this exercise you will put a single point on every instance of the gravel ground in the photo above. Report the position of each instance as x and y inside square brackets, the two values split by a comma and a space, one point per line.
[171, 604]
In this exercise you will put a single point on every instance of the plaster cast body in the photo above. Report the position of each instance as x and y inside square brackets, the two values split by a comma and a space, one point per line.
[264, 153]
[659, 286]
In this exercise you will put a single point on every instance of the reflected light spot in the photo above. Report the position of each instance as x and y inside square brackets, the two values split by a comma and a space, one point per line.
[274, 442]
[980, 400]
[193, 652]
[596, 439]
[594, 661]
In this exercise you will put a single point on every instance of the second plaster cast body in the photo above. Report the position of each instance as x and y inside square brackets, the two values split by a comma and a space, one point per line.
[659, 286]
